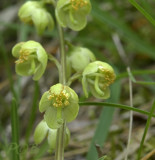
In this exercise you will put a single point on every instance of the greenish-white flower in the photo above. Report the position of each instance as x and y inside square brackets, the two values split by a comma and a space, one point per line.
[34, 12]
[59, 103]
[42, 131]
[32, 59]
[97, 77]
[73, 13]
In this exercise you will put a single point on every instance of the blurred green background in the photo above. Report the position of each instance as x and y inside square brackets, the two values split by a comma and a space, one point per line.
[117, 33]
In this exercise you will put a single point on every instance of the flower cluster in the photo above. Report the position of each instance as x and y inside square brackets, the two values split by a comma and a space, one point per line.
[60, 102]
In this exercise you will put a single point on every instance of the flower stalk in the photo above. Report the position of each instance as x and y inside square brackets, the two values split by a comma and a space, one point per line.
[59, 152]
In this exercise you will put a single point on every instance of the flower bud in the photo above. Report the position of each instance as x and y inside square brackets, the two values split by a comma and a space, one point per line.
[79, 58]
[98, 76]
[34, 12]
[32, 59]
[73, 13]
[59, 103]
[42, 131]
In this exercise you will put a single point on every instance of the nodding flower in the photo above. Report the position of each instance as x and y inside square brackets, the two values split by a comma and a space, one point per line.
[34, 12]
[59, 103]
[97, 77]
[73, 13]
[42, 131]
[31, 59]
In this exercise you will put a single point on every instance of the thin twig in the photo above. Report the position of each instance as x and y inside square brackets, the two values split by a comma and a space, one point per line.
[149, 155]
[131, 115]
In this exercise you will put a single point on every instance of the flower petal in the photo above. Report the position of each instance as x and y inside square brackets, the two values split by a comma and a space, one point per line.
[42, 58]
[44, 102]
[40, 25]
[40, 132]
[52, 136]
[51, 118]
[16, 49]
[23, 68]
[70, 112]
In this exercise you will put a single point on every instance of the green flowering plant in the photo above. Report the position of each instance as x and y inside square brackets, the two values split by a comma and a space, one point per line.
[79, 57]
[59, 103]
[32, 59]
[34, 12]
[98, 76]
[42, 131]
[73, 13]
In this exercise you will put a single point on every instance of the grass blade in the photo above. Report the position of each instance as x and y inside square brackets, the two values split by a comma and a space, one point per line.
[104, 124]
[135, 72]
[114, 105]
[15, 130]
[140, 9]
[146, 129]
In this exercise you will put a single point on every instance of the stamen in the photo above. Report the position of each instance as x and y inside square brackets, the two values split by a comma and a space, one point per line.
[23, 56]
[109, 76]
[59, 100]
[77, 4]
